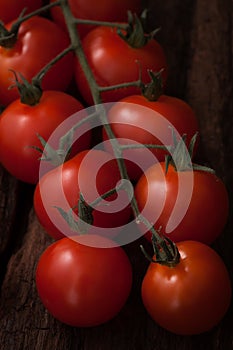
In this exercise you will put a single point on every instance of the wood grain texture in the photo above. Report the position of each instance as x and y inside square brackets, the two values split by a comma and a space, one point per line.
[197, 36]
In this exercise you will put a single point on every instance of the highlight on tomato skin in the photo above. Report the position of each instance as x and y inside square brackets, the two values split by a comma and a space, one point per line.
[191, 297]
[81, 285]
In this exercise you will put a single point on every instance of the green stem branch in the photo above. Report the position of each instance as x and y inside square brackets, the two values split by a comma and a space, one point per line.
[146, 145]
[39, 76]
[37, 12]
[122, 26]
[167, 251]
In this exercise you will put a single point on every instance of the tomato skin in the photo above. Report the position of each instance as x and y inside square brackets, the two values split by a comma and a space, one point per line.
[93, 173]
[146, 125]
[113, 61]
[16, 153]
[207, 209]
[193, 296]
[110, 11]
[82, 285]
[27, 58]
[11, 9]
[209, 200]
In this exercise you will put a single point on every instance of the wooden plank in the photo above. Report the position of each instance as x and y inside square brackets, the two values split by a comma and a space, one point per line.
[24, 322]
[8, 198]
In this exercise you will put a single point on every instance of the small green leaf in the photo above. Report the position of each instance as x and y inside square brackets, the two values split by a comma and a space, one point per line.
[192, 144]
[85, 211]
[66, 142]
[49, 153]
[69, 218]
[154, 89]
[135, 34]
[30, 93]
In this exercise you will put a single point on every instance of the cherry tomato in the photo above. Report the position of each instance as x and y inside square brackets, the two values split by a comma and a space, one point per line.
[93, 173]
[20, 124]
[27, 57]
[136, 119]
[114, 61]
[191, 297]
[110, 11]
[83, 285]
[11, 9]
[184, 205]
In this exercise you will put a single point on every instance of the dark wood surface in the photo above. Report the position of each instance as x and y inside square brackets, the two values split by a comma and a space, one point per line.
[197, 37]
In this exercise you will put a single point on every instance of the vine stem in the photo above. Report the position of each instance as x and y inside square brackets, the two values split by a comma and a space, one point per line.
[101, 23]
[166, 253]
[39, 76]
[40, 10]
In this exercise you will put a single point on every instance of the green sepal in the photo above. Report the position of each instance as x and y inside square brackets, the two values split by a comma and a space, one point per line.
[55, 156]
[85, 211]
[164, 249]
[30, 94]
[85, 217]
[181, 155]
[135, 34]
[154, 89]
[69, 218]
[8, 38]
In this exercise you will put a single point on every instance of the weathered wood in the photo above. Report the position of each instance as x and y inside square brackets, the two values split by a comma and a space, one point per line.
[197, 37]
[24, 322]
[8, 194]
[8, 208]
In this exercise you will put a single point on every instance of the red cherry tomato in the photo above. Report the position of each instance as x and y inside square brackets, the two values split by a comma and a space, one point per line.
[191, 297]
[113, 61]
[136, 119]
[16, 152]
[84, 285]
[92, 173]
[27, 57]
[184, 205]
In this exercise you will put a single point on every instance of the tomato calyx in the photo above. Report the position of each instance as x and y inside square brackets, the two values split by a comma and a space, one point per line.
[154, 89]
[180, 156]
[55, 156]
[85, 217]
[85, 211]
[165, 251]
[8, 38]
[135, 35]
[30, 93]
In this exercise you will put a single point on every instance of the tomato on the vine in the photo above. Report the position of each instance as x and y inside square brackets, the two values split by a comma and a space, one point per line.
[138, 119]
[38, 41]
[21, 124]
[114, 61]
[11, 9]
[184, 205]
[91, 173]
[191, 297]
[83, 285]
[105, 10]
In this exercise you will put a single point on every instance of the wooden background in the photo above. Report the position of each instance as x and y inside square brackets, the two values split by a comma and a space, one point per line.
[197, 37]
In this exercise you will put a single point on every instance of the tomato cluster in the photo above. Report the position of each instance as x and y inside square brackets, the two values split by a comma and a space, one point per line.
[117, 150]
